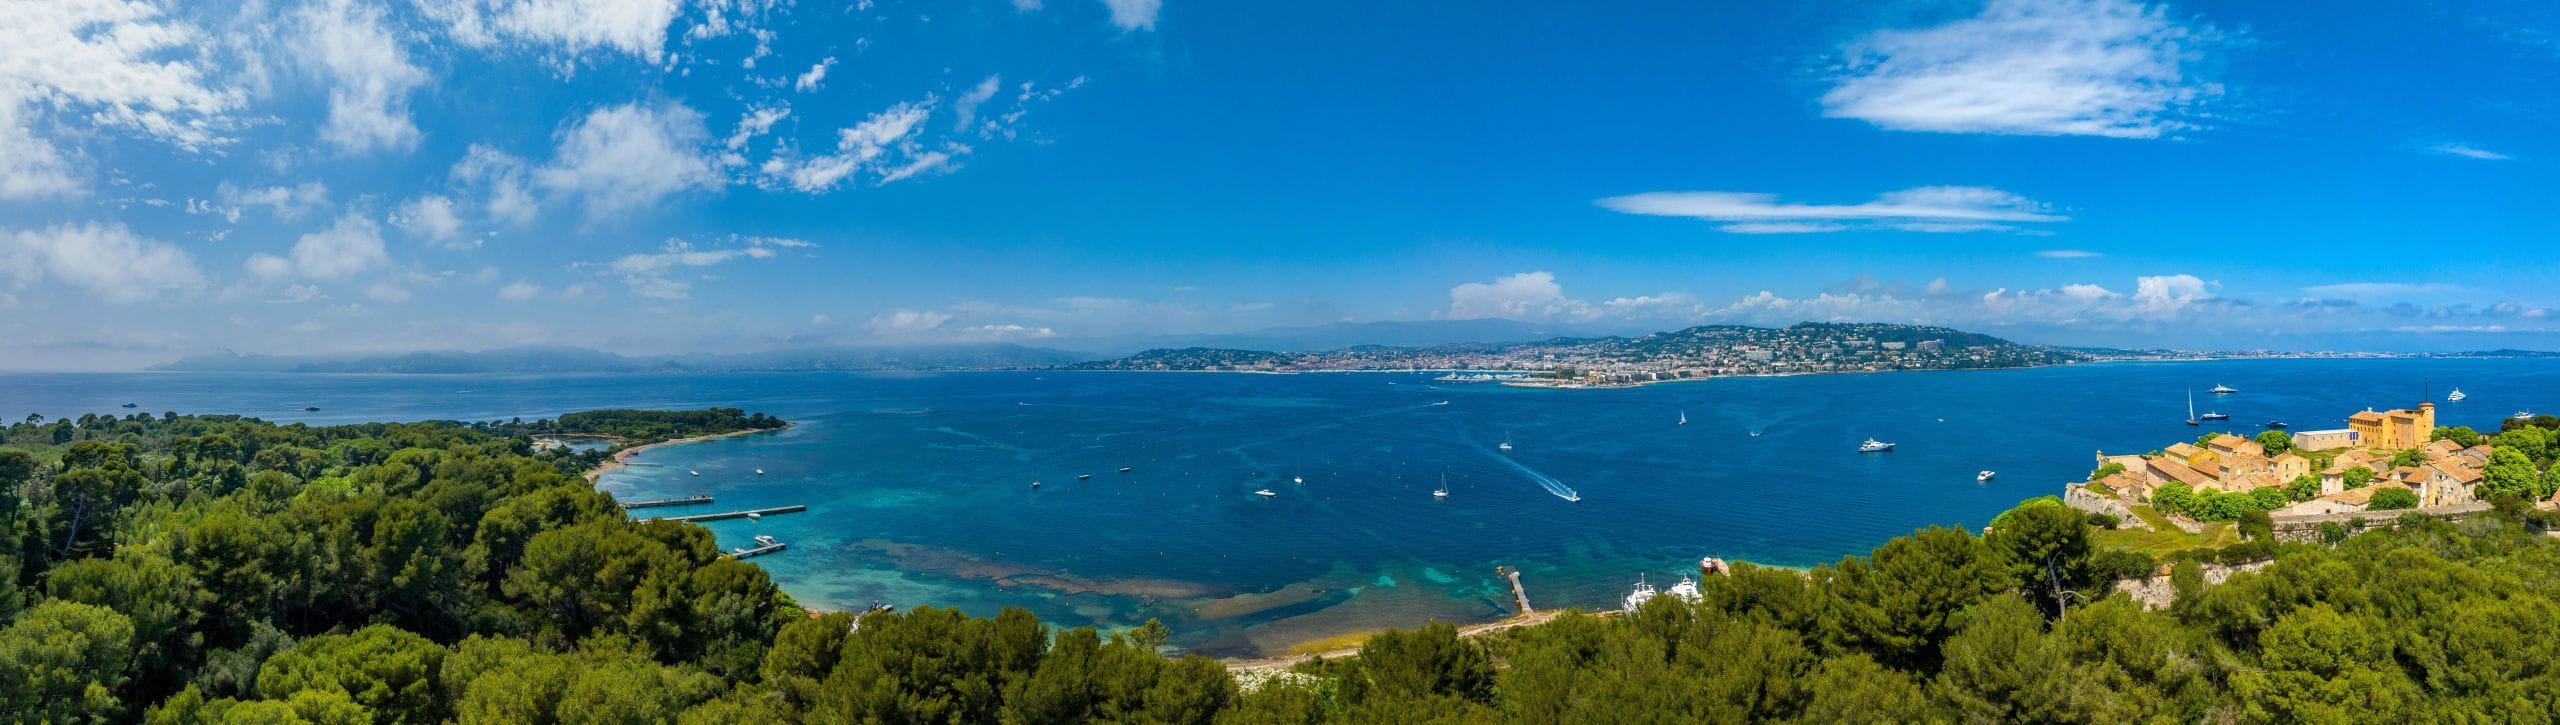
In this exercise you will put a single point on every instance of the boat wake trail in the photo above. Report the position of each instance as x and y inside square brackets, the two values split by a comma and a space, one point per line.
[1543, 480]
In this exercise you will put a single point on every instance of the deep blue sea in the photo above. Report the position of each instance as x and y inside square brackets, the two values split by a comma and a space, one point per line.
[919, 485]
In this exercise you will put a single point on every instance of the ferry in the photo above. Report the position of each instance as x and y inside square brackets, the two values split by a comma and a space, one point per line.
[2223, 390]
[2453, 397]
[1874, 446]
[1984, 477]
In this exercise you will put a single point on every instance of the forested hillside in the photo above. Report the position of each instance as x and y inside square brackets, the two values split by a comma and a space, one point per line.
[218, 569]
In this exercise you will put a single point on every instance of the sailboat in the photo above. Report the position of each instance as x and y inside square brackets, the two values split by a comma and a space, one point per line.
[1506, 440]
[2191, 408]
[1443, 491]
[1684, 417]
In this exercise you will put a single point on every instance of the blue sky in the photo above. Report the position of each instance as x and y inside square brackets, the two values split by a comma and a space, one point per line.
[302, 176]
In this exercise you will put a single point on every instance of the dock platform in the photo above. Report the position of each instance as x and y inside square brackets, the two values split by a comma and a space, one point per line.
[791, 509]
[653, 503]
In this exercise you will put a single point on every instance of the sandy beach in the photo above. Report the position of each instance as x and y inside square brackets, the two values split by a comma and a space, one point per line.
[620, 457]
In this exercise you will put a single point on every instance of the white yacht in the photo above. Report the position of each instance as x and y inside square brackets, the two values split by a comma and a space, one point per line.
[1686, 590]
[759, 471]
[1300, 480]
[1874, 446]
[697, 473]
[1643, 593]
[2522, 415]
[1984, 477]
[2454, 397]
[1265, 493]
[2223, 390]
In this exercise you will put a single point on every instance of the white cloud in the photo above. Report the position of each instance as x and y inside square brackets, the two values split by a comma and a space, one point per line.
[432, 217]
[105, 260]
[520, 290]
[906, 322]
[1520, 296]
[2167, 293]
[755, 122]
[2113, 68]
[629, 156]
[1026, 5]
[2370, 290]
[102, 64]
[966, 107]
[370, 76]
[501, 177]
[651, 274]
[1922, 209]
[1134, 14]
[286, 203]
[2468, 152]
[385, 291]
[637, 27]
[817, 74]
[268, 266]
[352, 245]
[885, 144]
[2068, 254]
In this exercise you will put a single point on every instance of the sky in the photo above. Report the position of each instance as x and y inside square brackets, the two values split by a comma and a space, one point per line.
[654, 176]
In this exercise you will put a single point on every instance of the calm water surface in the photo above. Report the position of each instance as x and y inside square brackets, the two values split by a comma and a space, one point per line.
[919, 485]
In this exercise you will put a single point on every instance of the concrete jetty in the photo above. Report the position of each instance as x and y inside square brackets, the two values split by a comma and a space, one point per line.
[791, 509]
[1519, 593]
[653, 503]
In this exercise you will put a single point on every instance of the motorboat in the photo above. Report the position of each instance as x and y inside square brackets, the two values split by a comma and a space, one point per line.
[2214, 416]
[1124, 469]
[133, 405]
[1686, 590]
[759, 471]
[697, 473]
[1084, 477]
[2521, 415]
[1265, 493]
[1300, 480]
[1874, 446]
[2223, 390]
[310, 407]
[2453, 397]
[1035, 484]
[1984, 477]
[2276, 425]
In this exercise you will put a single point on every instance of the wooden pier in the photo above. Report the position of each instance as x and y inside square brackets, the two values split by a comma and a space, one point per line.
[653, 503]
[791, 509]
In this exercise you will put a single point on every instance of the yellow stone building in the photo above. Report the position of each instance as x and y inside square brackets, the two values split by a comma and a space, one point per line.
[2394, 430]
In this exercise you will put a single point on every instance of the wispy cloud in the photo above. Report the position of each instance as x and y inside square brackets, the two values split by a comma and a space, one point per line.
[2112, 68]
[652, 274]
[1924, 209]
[2068, 254]
[2468, 152]
[2384, 289]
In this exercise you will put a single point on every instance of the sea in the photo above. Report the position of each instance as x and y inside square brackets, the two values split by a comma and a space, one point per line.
[920, 486]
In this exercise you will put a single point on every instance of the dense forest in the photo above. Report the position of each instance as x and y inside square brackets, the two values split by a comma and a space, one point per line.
[219, 569]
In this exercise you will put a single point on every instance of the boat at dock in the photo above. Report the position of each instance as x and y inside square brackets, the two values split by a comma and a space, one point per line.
[765, 544]
[1874, 446]
[1642, 593]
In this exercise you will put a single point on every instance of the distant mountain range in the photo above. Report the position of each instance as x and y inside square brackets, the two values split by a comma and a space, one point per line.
[957, 356]
[581, 360]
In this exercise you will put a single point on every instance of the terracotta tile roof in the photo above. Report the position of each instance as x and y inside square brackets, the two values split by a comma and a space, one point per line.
[2362, 496]
[2366, 417]
[2291, 456]
[2171, 469]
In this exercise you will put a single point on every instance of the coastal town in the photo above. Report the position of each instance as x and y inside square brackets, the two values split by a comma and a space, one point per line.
[1698, 352]
[2382, 462]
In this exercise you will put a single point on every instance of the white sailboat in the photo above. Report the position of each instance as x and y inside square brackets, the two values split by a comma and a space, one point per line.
[1443, 491]
[2191, 408]
[1506, 441]
[1684, 417]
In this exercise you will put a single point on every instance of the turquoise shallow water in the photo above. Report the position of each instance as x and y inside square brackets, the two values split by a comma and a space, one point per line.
[919, 484]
